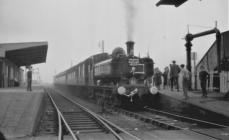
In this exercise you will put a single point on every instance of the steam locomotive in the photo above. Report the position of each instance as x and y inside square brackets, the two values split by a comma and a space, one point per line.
[118, 78]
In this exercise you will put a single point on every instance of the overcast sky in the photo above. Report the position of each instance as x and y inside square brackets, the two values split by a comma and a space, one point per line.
[73, 28]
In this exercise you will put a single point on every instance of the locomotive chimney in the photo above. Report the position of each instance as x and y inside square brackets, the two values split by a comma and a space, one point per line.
[130, 48]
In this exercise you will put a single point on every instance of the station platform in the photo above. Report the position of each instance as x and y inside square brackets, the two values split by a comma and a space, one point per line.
[214, 102]
[19, 111]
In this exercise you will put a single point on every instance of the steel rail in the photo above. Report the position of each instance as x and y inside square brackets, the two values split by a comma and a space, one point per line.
[192, 130]
[147, 118]
[61, 117]
[188, 118]
[95, 116]
[60, 132]
[119, 128]
[168, 124]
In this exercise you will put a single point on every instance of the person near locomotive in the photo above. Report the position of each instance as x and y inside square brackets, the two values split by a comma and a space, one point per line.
[29, 79]
[174, 71]
[165, 77]
[185, 76]
[157, 78]
[148, 82]
[203, 76]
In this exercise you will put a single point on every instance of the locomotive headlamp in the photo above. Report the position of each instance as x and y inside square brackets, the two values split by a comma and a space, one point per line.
[153, 90]
[121, 90]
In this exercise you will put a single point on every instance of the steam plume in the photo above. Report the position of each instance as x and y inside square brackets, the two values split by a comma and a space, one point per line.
[130, 16]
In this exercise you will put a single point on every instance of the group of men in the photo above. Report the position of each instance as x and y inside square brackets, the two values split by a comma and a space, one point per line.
[186, 76]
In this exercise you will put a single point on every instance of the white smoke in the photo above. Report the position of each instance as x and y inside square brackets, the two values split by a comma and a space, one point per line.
[130, 17]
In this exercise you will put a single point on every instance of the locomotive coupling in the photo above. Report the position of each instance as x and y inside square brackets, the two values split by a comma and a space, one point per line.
[122, 91]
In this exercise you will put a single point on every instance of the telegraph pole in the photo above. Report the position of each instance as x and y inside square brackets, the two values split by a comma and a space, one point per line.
[101, 45]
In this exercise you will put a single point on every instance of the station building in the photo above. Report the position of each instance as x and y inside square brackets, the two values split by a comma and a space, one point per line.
[13, 56]
[218, 81]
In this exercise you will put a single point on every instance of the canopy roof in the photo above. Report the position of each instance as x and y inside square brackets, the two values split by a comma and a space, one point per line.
[176, 3]
[26, 53]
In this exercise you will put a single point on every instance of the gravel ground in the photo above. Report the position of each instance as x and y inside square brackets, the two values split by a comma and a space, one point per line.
[129, 123]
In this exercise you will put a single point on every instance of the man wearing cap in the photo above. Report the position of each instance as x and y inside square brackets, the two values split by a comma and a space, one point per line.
[203, 76]
[174, 71]
[185, 75]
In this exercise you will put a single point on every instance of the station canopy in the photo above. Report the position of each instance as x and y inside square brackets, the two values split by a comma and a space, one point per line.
[176, 3]
[24, 54]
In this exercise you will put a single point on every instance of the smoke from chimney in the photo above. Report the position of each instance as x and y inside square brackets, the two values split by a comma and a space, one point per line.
[130, 16]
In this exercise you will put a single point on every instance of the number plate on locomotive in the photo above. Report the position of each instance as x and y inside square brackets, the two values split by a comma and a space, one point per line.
[133, 62]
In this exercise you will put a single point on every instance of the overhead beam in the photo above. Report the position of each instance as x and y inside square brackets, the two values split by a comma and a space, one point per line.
[176, 3]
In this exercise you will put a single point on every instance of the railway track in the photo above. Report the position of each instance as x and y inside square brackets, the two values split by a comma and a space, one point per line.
[175, 122]
[213, 130]
[80, 122]
[48, 122]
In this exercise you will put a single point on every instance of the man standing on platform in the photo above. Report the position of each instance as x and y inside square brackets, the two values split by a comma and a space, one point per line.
[174, 71]
[203, 75]
[165, 77]
[29, 79]
[185, 75]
